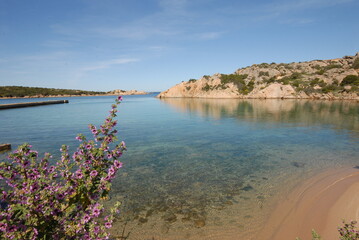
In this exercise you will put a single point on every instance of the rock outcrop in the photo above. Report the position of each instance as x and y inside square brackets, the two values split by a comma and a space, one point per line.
[318, 79]
[124, 92]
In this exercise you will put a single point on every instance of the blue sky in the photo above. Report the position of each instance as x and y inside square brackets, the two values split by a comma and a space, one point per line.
[152, 45]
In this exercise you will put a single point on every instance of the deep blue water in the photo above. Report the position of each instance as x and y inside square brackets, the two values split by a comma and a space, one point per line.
[187, 156]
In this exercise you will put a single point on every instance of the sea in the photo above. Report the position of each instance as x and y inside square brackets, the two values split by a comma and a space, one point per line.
[198, 168]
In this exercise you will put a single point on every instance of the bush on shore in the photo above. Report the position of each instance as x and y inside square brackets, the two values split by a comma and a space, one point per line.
[63, 200]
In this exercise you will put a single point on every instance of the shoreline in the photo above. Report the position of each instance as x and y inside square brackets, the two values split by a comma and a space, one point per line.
[86, 95]
[260, 98]
[319, 203]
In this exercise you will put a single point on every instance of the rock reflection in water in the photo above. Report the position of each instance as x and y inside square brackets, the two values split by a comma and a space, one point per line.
[184, 175]
[299, 112]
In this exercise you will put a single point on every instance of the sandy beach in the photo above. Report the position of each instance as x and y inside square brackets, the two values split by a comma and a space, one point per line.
[320, 203]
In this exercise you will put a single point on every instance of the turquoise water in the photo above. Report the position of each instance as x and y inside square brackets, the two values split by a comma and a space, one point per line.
[196, 165]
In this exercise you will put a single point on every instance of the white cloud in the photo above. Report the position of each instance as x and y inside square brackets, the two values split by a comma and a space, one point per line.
[209, 35]
[287, 6]
[173, 6]
[108, 64]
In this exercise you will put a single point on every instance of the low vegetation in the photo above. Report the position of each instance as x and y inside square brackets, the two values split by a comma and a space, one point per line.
[350, 80]
[356, 63]
[42, 200]
[17, 91]
[348, 231]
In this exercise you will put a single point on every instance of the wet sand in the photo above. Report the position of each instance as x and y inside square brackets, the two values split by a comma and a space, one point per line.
[320, 203]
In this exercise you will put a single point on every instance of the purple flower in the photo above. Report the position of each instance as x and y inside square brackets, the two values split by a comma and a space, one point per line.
[109, 156]
[26, 163]
[60, 196]
[93, 173]
[86, 218]
[3, 226]
[119, 98]
[79, 138]
[12, 228]
[51, 169]
[88, 146]
[96, 230]
[79, 174]
[96, 212]
[4, 195]
[34, 187]
[117, 164]
[108, 225]
[111, 171]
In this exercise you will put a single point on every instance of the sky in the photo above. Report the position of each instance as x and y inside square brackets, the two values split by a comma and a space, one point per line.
[152, 45]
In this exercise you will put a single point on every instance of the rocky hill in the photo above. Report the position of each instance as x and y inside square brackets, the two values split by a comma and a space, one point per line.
[128, 92]
[317, 79]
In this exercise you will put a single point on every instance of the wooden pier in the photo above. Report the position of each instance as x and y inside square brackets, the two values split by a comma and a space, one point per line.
[31, 104]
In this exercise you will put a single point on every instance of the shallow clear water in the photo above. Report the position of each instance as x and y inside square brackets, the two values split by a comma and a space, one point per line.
[195, 167]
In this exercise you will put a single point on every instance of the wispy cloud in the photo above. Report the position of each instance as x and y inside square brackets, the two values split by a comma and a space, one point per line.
[288, 6]
[208, 35]
[171, 20]
[173, 6]
[297, 21]
[108, 64]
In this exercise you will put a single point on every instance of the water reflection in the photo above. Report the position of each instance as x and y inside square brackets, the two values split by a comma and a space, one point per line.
[188, 173]
[299, 112]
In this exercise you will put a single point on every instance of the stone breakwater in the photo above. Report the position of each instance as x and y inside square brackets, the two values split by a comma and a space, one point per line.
[317, 79]
[31, 104]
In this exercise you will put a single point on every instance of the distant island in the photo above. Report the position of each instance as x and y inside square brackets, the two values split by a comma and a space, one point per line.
[317, 79]
[36, 92]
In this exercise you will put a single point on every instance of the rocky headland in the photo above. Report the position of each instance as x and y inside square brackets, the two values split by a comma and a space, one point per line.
[318, 79]
[129, 92]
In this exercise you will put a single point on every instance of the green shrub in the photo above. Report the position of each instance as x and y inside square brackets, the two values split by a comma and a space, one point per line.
[294, 77]
[296, 83]
[320, 72]
[317, 67]
[61, 200]
[329, 88]
[317, 81]
[356, 63]
[233, 78]
[263, 73]
[206, 88]
[350, 80]
[270, 80]
[263, 65]
[331, 66]
[192, 80]
[18, 91]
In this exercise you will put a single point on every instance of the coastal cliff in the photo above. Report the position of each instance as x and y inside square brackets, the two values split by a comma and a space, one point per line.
[317, 79]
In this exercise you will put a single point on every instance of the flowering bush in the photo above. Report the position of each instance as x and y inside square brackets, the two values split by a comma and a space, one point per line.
[348, 231]
[61, 201]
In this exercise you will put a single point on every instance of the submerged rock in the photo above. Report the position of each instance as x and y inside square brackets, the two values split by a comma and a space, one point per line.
[298, 164]
[247, 188]
[199, 223]
[170, 217]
